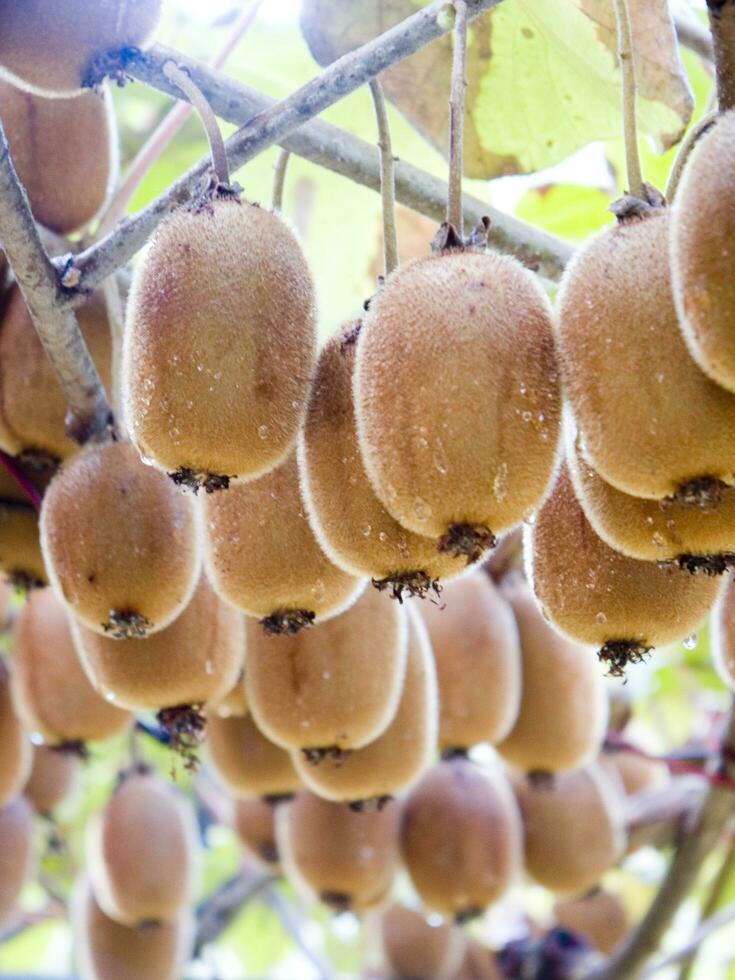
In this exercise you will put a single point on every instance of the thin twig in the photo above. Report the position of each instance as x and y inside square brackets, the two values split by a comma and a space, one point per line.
[709, 909]
[183, 80]
[387, 178]
[456, 118]
[89, 411]
[167, 129]
[278, 121]
[627, 71]
[722, 24]
[699, 128]
[216, 913]
[698, 835]
[279, 179]
[695, 37]
[293, 928]
[722, 918]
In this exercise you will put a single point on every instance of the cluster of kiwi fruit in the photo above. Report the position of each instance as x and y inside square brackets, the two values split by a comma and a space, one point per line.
[266, 508]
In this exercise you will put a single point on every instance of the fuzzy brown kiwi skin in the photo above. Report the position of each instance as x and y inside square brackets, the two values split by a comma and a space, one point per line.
[62, 142]
[16, 854]
[661, 407]
[21, 561]
[142, 552]
[564, 706]
[574, 828]
[32, 403]
[702, 266]
[108, 950]
[414, 948]
[142, 851]
[254, 822]
[52, 50]
[478, 660]
[723, 633]
[461, 837]
[349, 521]
[215, 381]
[345, 859]
[293, 584]
[595, 595]
[335, 687]
[375, 773]
[599, 916]
[51, 779]
[50, 689]
[699, 539]
[15, 766]
[247, 762]
[459, 440]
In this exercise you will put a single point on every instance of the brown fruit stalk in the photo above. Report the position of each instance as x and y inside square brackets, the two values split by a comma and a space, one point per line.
[478, 662]
[52, 694]
[142, 851]
[563, 713]
[262, 556]
[220, 344]
[64, 150]
[398, 757]
[345, 859]
[334, 687]
[457, 397]
[122, 546]
[246, 762]
[461, 838]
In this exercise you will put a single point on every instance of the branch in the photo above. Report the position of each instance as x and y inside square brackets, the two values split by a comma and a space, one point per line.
[698, 835]
[268, 122]
[695, 37]
[722, 24]
[218, 911]
[89, 413]
[722, 918]
[653, 817]
[710, 909]
[293, 928]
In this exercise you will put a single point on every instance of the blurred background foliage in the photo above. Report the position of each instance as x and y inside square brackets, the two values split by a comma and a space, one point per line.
[676, 695]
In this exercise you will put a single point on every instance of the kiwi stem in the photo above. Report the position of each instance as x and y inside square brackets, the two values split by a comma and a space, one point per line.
[712, 903]
[387, 178]
[722, 23]
[630, 129]
[279, 179]
[699, 128]
[8, 463]
[456, 117]
[194, 94]
[169, 126]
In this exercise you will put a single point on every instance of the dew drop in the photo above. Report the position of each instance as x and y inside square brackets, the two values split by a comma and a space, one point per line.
[366, 530]
[209, 667]
[690, 642]
[262, 431]
[601, 618]
[36, 738]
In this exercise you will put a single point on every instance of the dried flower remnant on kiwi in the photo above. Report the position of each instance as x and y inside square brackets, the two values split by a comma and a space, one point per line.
[186, 727]
[126, 625]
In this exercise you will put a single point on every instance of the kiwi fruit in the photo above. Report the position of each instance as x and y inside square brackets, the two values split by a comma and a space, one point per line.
[599, 916]
[234, 704]
[196, 659]
[574, 828]
[457, 397]
[142, 851]
[52, 778]
[331, 688]
[107, 950]
[21, 561]
[246, 762]
[702, 264]
[255, 826]
[596, 595]
[52, 694]
[398, 757]
[54, 49]
[563, 713]
[64, 151]
[32, 403]
[478, 662]
[479, 963]
[262, 557]
[418, 949]
[16, 854]
[219, 345]
[15, 747]
[699, 539]
[121, 545]
[351, 524]
[347, 860]
[650, 422]
[461, 837]
[722, 634]
[636, 773]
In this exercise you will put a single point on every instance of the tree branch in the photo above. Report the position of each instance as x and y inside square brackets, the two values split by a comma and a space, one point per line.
[698, 835]
[216, 913]
[89, 412]
[694, 36]
[722, 24]
[267, 122]
[704, 931]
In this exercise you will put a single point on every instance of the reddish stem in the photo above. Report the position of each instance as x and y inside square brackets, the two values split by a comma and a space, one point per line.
[21, 479]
